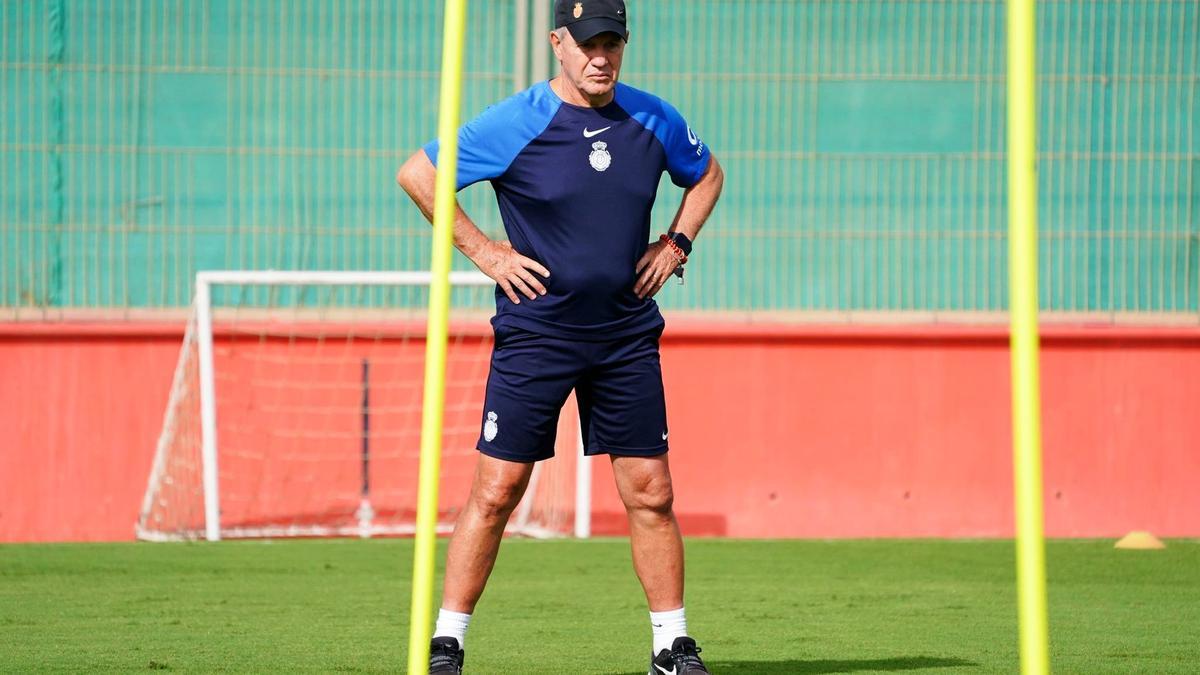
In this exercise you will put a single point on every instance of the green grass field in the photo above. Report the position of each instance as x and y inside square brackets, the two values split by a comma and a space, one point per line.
[569, 606]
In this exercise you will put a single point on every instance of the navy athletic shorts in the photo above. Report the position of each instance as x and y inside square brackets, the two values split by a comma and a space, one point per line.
[618, 384]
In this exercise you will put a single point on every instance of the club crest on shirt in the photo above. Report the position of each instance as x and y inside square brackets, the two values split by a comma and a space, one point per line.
[600, 159]
[490, 428]
[578, 10]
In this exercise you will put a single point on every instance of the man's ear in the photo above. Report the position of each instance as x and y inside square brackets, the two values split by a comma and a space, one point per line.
[556, 45]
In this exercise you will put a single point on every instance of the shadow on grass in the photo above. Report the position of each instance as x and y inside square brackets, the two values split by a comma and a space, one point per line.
[797, 666]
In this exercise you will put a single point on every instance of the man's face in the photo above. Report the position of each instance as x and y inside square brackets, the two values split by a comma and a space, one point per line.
[592, 65]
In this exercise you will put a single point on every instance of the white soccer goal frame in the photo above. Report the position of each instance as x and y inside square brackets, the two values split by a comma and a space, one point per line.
[203, 328]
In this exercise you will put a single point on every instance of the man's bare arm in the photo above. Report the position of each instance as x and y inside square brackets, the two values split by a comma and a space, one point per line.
[657, 264]
[497, 259]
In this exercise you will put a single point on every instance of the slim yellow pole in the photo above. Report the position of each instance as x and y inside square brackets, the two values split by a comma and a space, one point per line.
[1023, 284]
[435, 346]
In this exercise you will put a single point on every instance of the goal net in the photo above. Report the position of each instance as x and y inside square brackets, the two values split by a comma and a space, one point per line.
[296, 404]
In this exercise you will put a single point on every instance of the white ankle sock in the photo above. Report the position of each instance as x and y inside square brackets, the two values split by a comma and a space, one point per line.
[667, 626]
[452, 624]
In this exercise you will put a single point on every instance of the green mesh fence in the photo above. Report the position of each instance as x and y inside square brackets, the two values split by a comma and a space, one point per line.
[141, 141]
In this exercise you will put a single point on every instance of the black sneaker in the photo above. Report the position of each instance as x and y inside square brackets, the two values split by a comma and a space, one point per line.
[683, 659]
[445, 656]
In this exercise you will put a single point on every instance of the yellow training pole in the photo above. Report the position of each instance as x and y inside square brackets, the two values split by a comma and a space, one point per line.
[436, 335]
[1022, 279]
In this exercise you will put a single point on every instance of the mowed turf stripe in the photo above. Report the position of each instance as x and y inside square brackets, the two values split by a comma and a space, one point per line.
[755, 606]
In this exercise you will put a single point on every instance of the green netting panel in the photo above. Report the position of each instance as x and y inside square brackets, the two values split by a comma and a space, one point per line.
[221, 134]
[141, 141]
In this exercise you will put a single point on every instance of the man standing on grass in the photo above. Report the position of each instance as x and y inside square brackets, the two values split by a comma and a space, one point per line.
[575, 163]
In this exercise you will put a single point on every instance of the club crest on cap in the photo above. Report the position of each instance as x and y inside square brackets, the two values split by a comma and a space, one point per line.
[578, 9]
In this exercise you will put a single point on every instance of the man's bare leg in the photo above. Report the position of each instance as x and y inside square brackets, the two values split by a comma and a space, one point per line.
[644, 484]
[495, 492]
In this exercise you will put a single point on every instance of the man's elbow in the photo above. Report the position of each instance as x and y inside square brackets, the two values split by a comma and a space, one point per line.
[715, 175]
[417, 171]
[405, 176]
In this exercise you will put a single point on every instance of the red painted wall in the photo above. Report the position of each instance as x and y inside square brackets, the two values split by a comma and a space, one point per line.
[79, 414]
[776, 430]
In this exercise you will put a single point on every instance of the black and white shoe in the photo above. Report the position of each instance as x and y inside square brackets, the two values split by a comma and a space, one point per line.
[445, 656]
[682, 659]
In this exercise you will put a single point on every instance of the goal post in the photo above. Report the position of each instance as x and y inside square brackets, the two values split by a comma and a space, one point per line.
[295, 411]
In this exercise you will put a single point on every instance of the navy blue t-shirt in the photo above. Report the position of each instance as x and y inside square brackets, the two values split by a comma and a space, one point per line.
[575, 186]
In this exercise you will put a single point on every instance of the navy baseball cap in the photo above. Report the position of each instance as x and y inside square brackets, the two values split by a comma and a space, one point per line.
[588, 18]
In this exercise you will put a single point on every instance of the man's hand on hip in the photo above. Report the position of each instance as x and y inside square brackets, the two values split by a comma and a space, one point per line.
[511, 270]
[653, 270]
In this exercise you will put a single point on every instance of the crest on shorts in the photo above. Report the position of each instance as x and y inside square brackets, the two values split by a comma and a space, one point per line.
[578, 9]
[490, 428]
[600, 159]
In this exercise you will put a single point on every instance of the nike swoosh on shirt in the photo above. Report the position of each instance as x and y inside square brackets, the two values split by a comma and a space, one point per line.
[589, 134]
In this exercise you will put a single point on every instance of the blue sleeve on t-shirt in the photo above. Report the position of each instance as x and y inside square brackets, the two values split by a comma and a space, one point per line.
[488, 144]
[687, 155]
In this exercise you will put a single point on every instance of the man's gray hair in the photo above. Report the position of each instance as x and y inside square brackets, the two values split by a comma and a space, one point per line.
[561, 32]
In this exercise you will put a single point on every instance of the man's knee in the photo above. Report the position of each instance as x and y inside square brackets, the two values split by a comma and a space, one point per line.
[497, 498]
[653, 495]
